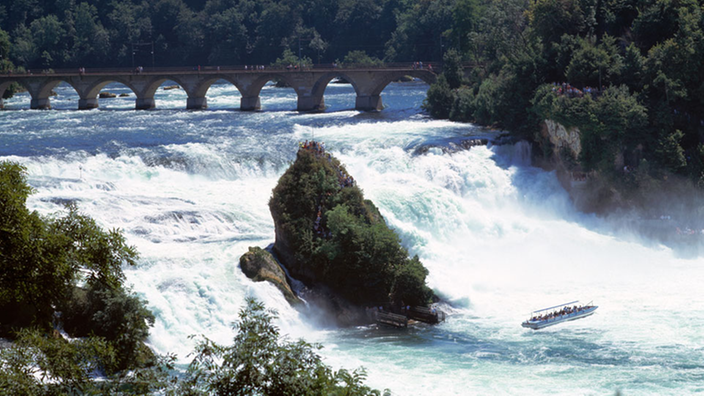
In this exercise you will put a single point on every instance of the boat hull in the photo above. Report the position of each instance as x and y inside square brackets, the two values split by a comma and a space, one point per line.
[541, 324]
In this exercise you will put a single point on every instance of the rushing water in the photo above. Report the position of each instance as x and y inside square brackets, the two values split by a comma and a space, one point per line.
[190, 190]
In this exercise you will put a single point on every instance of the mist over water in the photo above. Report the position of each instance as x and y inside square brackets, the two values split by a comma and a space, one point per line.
[500, 238]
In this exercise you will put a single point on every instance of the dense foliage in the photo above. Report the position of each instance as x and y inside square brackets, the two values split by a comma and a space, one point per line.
[37, 364]
[339, 239]
[261, 362]
[67, 270]
[38, 34]
[626, 73]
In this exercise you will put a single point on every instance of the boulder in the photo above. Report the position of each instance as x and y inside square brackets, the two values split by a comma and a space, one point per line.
[170, 87]
[106, 94]
[260, 265]
[124, 95]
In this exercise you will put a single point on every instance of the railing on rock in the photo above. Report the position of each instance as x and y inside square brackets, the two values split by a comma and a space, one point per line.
[425, 314]
[391, 319]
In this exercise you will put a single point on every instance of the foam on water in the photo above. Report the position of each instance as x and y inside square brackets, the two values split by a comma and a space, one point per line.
[500, 238]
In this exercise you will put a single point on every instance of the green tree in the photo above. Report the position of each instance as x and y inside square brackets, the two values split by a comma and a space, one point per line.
[43, 259]
[356, 25]
[421, 26]
[465, 17]
[5, 64]
[37, 364]
[588, 65]
[452, 68]
[276, 30]
[288, 58]
[261, 362]
[656, 20]
[23, 51]
[633, 70]
[551, 19]
[669, 152]
[359, 58]
[227, 31]
[439, 99]
[318, 45]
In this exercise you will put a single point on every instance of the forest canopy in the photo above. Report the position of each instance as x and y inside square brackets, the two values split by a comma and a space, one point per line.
[39, 34]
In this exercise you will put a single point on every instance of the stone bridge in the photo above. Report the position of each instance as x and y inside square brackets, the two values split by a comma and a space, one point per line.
[309, 84]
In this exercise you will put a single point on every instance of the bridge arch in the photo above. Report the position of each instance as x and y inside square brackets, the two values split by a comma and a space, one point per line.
[41, 92]
[425, 75]
[317, 94]
[255, 88]
[6, 84]
[89, 96]
[151, 86]
[250, 86]
[322, 83]
[203, 86]
[197, 94]
[94, 89]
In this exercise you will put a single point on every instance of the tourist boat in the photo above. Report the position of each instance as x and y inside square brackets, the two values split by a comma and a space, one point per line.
[558, 314]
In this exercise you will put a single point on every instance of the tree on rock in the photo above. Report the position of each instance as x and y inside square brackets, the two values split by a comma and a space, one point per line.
[328, 235]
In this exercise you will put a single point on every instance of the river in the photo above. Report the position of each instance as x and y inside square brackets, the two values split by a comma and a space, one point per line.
[500, 238]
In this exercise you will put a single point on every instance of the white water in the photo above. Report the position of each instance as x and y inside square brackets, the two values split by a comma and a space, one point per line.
[500, 238]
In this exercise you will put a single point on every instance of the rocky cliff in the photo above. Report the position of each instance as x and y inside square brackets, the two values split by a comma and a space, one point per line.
[589, 191]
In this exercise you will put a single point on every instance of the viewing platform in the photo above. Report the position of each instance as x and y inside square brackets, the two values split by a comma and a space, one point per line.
[308, 83]
[404, 317]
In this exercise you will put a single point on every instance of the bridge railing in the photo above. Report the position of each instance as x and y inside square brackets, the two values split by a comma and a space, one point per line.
[215, 69]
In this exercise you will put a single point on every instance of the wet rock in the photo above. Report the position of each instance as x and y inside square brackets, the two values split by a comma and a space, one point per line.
[260, 265]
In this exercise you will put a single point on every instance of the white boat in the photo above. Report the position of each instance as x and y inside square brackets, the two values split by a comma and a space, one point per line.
[558, 314]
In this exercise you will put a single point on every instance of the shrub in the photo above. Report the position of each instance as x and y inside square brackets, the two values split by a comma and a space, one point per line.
[439, 99]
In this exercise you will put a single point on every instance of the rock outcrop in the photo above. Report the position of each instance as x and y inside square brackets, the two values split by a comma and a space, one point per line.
[589, 191]
[564, 138]
[337, 243]
[260, 265]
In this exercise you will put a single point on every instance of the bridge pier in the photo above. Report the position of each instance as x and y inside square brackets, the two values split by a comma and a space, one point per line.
[196, 103]
[249, 103]
[88, 103]
[40, 104]
[310, 103]
[369, 103]
[144, 104]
